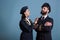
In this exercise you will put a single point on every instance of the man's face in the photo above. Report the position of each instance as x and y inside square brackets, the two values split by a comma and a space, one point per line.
[44, 11]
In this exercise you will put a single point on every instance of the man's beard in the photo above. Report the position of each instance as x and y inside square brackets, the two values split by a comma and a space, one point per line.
[43, 13]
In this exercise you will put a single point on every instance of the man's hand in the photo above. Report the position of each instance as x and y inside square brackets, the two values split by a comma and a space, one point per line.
[48, 24]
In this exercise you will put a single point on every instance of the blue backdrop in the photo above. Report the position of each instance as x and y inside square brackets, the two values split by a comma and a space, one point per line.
[10, 17]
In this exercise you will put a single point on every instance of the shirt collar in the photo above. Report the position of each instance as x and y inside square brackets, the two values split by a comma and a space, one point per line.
[27, 18]
[44, 16]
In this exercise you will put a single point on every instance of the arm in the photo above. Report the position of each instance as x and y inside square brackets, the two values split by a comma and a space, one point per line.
[35, 24]
[47, 25]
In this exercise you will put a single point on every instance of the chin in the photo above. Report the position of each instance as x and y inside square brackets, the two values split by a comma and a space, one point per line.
[43, 13]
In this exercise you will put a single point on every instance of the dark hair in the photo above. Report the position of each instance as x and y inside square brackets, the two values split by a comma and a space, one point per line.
[47, 5]
[23, 9]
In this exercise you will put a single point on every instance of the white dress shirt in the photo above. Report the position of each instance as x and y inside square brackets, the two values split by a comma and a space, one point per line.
[44, 16]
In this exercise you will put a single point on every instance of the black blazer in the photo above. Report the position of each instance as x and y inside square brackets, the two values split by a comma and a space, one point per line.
[26, 30]
[45, 32]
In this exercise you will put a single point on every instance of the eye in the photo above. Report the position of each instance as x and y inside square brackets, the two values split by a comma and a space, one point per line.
[44, 8]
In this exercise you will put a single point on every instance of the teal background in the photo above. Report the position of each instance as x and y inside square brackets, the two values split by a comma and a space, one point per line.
[10, 17]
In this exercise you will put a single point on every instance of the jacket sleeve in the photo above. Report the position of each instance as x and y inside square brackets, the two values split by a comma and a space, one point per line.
[48, 28]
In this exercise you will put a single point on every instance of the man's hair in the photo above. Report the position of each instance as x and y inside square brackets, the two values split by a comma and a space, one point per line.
[47, 5]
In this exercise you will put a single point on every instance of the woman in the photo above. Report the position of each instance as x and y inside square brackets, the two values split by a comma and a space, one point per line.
[26, 24]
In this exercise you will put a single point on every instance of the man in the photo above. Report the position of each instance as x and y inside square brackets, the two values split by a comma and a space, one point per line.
[44, 24]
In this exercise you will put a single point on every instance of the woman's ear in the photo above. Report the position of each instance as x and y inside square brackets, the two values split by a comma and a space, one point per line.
[24, 13]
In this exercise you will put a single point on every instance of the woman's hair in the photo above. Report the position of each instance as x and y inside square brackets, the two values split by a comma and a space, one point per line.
[23, 9]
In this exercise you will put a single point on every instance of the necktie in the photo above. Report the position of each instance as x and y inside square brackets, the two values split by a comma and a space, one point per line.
[42, 18]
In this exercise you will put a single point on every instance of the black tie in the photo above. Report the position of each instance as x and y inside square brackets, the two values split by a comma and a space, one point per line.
[42, 18]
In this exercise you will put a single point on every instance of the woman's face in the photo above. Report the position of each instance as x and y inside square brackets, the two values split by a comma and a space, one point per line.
[27, 13]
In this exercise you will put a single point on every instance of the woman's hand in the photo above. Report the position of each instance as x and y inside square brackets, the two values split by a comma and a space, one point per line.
[35, 22]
